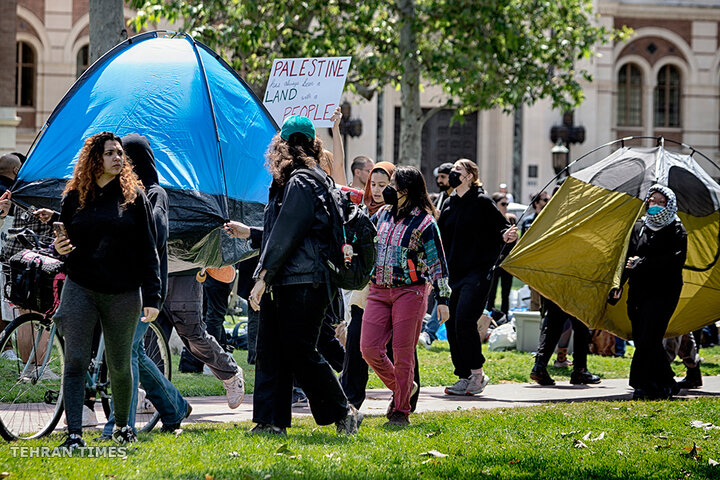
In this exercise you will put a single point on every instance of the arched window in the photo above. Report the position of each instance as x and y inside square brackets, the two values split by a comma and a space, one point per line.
[82, 61]
[629, 105]
[25, 75]
[667, 97]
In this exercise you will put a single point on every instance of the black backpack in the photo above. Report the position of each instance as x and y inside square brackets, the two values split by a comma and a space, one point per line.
[351, 255]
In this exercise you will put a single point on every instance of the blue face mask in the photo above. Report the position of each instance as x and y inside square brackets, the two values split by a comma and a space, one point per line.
[655, 209]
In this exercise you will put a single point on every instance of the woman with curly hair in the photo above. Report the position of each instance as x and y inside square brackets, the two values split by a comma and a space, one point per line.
[291, 289]
[112, 274]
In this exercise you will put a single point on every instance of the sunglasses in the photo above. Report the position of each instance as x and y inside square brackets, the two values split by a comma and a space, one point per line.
[503, 204]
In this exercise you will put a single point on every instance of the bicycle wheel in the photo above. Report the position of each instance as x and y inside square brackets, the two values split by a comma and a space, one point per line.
[31, 384]
[156, 347]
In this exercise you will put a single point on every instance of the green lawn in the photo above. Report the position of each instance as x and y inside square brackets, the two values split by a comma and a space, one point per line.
[436, 369]
[595, 440]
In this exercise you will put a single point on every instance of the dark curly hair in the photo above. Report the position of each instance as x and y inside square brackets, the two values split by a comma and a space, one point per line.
[285, 156]
[89, 167]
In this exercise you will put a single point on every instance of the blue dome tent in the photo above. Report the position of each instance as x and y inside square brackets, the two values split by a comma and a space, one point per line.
[208, 130]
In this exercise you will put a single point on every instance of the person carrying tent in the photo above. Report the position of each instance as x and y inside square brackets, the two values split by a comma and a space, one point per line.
[291, 286]
[473, 232]
[655, 258]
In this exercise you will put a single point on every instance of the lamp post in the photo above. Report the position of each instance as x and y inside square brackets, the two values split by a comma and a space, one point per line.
[563, 136]
[559, 156]
[348, 126]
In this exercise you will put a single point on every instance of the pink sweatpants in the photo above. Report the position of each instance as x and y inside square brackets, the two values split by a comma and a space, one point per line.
[396, 312]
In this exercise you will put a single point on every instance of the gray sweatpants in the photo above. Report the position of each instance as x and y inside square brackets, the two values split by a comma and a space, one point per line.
[79, 312]
[684, 347]
[183, 308]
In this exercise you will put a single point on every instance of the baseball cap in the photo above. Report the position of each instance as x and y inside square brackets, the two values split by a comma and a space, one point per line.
[444, 168]
[297, 124]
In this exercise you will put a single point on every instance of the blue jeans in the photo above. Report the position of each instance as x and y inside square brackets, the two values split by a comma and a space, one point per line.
[164, 396]
[432, 325]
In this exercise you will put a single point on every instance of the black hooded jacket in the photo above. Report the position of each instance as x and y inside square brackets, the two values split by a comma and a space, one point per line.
[138, 149]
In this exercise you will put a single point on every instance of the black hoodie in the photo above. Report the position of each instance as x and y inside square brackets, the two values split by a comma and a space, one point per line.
[138, 149]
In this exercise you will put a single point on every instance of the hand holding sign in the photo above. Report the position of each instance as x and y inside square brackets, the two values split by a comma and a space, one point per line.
[310, 87]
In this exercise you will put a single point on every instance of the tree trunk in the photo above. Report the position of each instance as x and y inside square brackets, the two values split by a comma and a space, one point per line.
[410, 151]
[107, 26]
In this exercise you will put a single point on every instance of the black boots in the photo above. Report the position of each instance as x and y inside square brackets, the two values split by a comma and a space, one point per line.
[693, 378]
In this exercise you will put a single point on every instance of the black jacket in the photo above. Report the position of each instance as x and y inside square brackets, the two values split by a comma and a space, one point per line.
[295, 232]
[471, 227]
[114, 246]
[143, 159]
[662, 256]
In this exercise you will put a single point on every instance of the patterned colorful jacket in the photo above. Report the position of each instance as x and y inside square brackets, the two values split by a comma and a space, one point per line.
[410, 252]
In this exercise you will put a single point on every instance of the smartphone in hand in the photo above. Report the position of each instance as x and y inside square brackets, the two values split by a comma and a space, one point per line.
[59, 229]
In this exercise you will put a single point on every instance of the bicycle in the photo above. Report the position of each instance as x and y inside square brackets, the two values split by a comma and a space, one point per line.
[31, 382]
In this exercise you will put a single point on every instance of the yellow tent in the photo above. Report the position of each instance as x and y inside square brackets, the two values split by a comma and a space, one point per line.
[574, 252]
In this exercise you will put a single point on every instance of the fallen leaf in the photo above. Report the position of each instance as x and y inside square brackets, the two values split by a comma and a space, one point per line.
[297, 472]
[233, 454]
[662, 437]
[620, 452]
[267, 476]
[712, 462]
[330, 455]
[599, 437]
[579, 444]
[209, 477]
[283, 450]
[693, 451]
[658, 447]
[434, 453]
[563, 435]
[512, 462]
[432, 434]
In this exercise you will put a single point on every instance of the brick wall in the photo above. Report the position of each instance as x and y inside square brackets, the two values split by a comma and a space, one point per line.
[7, 52]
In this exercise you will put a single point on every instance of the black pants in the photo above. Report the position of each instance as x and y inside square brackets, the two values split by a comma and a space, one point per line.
[290, 322]
[650, 369]
[550, 331]
[354, 375]
[467, 301]
[504, 279]
[215, 304]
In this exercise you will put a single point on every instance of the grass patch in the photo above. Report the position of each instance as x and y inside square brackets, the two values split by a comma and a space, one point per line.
[436, 369]
[640, 440]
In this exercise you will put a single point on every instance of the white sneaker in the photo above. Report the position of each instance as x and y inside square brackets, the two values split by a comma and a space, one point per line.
[144, 406]
[10, 355]
[564, 364]
[425, 340]
[477, 384]
[460, 387]
[235, 389]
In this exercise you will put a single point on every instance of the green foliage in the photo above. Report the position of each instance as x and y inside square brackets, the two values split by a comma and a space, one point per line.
[593, 440]
[495, 53]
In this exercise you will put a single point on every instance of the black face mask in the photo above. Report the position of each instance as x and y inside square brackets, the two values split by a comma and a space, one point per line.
[454, 179]
[390, 196]
[443, 188]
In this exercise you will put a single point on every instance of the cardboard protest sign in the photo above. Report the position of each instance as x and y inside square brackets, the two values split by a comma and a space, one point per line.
[310, 87]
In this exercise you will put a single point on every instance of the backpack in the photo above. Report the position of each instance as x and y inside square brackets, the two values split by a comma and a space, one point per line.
[351, 255]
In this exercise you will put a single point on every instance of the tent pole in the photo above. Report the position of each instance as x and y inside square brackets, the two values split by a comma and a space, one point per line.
[215, 125]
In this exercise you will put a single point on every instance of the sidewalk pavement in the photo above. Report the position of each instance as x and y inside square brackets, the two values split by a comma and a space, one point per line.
[433, 399]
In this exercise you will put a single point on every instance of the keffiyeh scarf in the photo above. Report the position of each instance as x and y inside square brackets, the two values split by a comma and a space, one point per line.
[665, 216]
